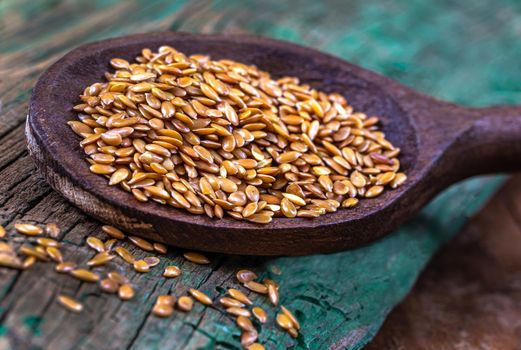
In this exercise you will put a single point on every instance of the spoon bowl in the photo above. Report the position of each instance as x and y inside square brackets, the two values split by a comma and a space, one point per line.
[441, 143]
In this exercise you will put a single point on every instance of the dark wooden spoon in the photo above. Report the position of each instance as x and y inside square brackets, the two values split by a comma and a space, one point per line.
[441, 143]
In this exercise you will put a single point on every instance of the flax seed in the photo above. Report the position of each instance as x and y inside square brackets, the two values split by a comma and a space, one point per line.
[70, 303]
[28, 229]
[126, 292]
[196, 258]
[85, 275]
[260, 314]
[113, 232]
[200, 296]
[240, 137]
[172, 272]
[185, 303]
[240, 296]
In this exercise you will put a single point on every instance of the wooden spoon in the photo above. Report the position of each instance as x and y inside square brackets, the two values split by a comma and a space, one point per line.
[441, 143]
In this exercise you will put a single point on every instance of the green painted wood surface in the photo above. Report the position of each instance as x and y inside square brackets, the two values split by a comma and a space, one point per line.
[465, 51]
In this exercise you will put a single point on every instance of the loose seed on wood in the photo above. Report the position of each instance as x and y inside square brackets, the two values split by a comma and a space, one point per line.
[141, 243]
[70, 303]
[196, 258]
[172, 271]
[284, 321]
[28, 229]
[160, 248]
[125, 254]
[259, 314]
[65, 267]
[85, 275]
[113, 232]
[244, 276]
[100, 259]
[292, 317]
[108, 286]
[185, 303]
[126, 292]
[238, 311]
[230, 302]
[245, 324]
[152, 261]
[141, 266]
[256, 287]
[240, 296]
[117, 277]
[200, 296]
[96, 244]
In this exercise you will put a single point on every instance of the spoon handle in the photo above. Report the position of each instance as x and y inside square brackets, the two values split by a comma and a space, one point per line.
[491, 143]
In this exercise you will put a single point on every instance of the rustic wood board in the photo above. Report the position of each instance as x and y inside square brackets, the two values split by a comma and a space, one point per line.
[341, 299]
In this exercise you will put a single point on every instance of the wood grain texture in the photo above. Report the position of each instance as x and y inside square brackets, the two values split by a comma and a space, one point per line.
[334, 315]
[469, 296]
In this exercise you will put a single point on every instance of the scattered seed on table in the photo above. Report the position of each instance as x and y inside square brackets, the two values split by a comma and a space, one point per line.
[70, 303]
[244, 276]
[2, 232]
[196, 258]
[141, 266]
[152, 261]
[109, 244]
[256, 346]
[259, 314]
[166, 299]
[29, 251]
[48, 242]
[230, 302]
[117, 277]
[28, 229]
[28, 262]
[185, 303]
[100, 259]
[238, 311]
[141, 243]
[284, 321]
[125, 254]
[8, 260]
[256, 287]
[85, 275]
[162, 310]
[273, 294]
[126, 292]
[96, 244]
[113, 232]
[65, 267]
[240, 296]
[52, 230]
[200, 296]
[248, 338]
[108, 286]
[55, 254]
[292, 317]
[172, 271]
[293, 332]
[160, 247]
[245, 324]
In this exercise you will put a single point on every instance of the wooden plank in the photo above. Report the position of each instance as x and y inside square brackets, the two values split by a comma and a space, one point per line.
[341, 299]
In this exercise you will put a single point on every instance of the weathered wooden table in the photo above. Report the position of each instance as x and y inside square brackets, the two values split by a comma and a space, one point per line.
[341, 299]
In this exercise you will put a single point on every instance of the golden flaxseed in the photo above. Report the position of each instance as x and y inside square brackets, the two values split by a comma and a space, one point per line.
[85, 275]
[259, 314]
[126, 292]
[125, 254]
[28, 229]
[172, 271]
[96, 244]
[100, 259]
[113, 232]
[256, 287]
[196, 258]
[141, 243]
[238, 295]
[141, 266]
[185, 303]
[108, 286]
[65, 267]
[215, 136]
[70, 303]
[244, 276]
[200, 296]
